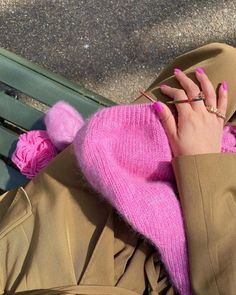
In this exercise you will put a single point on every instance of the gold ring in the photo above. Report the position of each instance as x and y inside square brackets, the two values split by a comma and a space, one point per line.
[201, 95]
[214, 110]
[221, 115]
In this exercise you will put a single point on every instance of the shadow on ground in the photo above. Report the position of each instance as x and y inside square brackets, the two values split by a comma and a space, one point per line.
[112, 47]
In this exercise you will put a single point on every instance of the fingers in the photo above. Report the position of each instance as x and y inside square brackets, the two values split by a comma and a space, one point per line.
[177, 94]
[167, 119]
[192, 90]
[223, 98]
[207, 87]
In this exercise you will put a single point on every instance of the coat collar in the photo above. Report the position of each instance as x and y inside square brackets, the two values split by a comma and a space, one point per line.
[15, 207]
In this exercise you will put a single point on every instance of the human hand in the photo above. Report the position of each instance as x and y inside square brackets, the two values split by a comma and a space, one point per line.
[196, 131]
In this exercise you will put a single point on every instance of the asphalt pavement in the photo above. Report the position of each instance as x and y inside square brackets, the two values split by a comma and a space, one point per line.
[112, 47]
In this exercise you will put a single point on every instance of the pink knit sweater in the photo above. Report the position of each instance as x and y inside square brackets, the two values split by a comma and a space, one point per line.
[124, 153]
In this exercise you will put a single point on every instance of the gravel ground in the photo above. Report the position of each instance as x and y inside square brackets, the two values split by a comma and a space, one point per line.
[112, 47]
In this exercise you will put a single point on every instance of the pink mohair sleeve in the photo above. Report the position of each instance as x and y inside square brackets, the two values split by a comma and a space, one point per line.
[124, 153]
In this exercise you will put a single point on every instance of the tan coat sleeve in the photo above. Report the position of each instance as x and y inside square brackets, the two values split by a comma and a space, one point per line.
[207, 190]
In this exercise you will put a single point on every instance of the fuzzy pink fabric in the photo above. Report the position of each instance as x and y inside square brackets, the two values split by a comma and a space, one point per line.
[33, 152]
[124, 153]
[62, 122]
[229, 139]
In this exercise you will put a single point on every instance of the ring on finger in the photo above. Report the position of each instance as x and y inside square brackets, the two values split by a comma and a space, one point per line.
[214, 110]
[221, 115]
[200, 96]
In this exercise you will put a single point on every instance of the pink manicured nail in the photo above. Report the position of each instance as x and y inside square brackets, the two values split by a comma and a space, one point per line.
[157, 107]
[225, 85]
[163, 85]
[200, 70]
[177, 71]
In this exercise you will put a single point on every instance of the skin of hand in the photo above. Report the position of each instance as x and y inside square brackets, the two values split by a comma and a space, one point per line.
[196, 131]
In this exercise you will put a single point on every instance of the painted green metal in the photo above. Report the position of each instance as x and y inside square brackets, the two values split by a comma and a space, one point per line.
[8, 142]
[46, 86]
[10, 178]
[34, 81]
[55, 77]
[20, 114]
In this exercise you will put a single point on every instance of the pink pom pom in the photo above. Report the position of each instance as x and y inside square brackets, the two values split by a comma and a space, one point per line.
[33, 152]
[62, 122]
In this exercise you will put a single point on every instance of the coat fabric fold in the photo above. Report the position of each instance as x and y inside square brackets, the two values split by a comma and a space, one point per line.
[56, 232]
[57, 236]
[124, 153]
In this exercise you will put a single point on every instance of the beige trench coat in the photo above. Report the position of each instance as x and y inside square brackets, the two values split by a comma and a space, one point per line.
[57, 236]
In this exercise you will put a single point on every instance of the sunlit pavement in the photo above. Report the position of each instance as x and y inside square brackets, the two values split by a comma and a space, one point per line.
[112, 47]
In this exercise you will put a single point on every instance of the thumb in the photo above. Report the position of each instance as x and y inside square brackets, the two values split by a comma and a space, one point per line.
[166, 117]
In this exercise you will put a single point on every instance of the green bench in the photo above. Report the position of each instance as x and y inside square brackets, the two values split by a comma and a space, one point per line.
[18, 77]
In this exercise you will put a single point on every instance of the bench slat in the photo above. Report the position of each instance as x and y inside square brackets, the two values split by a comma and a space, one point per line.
[10, 178]
[56, 77]
[43, 88]
[19, 113]
[8, 142]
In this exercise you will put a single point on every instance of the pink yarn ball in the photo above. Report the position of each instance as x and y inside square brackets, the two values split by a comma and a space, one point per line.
[33, 152]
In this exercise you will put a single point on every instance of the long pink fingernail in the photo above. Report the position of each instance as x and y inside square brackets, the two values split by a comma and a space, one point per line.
[177, 71]
[163, 85]
[225, 85]
[200, 70]
[157, 107]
